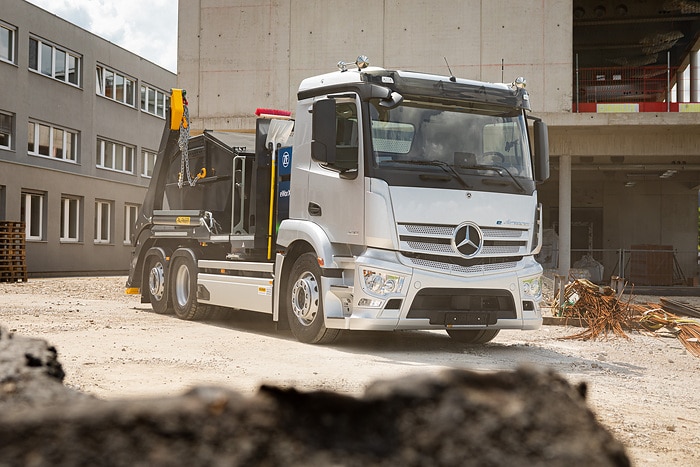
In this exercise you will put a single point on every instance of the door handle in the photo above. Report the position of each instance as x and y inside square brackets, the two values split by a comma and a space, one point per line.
[314, 209]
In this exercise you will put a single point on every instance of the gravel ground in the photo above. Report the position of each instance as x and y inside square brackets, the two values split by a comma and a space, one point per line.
[645, 389]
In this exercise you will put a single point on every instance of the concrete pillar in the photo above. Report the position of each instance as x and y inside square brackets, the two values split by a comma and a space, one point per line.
[695, 76]
[682, 85]
[564, 215]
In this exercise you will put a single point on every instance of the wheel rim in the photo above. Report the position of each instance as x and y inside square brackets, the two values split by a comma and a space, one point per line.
[305, 298]
[156, 281]
[182, 285]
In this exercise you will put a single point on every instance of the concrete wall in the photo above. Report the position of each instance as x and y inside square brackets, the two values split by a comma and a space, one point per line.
[236, 56]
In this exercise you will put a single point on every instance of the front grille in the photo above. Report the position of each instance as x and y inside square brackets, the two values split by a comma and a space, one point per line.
[502, 233]
[445, 248]
[432, 247]
[420, 229]
[464, 266]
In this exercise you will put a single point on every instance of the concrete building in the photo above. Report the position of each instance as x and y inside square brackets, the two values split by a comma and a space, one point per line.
[80, 125]
[613, 80]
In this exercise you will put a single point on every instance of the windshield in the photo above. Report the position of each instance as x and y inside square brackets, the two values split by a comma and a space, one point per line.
[472, 141]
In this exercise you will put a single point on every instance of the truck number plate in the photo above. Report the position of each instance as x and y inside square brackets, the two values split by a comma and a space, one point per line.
[473, 318]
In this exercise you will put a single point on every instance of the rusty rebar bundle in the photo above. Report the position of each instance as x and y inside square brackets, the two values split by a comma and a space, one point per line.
[603, 312]
[599, 308]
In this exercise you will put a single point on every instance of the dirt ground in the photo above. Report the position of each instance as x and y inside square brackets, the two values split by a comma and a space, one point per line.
[645, 389]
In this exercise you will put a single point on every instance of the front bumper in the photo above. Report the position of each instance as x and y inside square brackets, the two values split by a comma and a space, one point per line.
[432, 300]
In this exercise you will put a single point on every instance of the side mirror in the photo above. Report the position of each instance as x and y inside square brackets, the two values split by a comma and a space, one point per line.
[323, 131]
[541, 148]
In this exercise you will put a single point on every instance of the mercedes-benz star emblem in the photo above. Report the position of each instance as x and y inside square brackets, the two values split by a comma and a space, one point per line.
[468, 239]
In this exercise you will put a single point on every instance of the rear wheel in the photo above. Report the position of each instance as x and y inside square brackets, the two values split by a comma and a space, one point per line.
[305, 303]
[473, 336]
[157, 286]
[183, 287]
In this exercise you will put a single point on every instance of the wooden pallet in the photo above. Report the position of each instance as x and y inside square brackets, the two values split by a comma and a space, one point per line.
[13, 253]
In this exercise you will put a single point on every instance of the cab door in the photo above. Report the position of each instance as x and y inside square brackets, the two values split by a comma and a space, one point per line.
[336, 181]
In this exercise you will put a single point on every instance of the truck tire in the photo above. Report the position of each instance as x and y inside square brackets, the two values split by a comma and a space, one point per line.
[157, 289]
[304, 302]
[183, 289]
[473, 336]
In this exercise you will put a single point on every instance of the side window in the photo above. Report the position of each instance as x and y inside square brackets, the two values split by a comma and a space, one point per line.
[131, 213]
[33, 214]
[103, 222]
[70, 218]
[347, 136]
[7, 43]
[6, 127]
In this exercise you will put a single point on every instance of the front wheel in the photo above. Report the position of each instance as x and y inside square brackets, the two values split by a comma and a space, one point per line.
[183, 289]
[157, 286]
[473, 336]
[304, 302]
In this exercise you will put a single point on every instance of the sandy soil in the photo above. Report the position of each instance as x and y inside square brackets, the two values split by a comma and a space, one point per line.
[645, 389]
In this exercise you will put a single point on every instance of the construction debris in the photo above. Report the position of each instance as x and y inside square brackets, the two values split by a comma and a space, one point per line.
[679, 308]
[603, 312]
[599, 308]
[685, 329]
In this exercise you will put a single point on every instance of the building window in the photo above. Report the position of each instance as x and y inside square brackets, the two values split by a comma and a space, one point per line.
[103, 221]
[51, 141]
[3, 200]
[54, 62]
[131, 213]
[6, 126]
[32, 213]
[149, 162]
[115, 86]
[154, 101]
[7, 43]
[70, 219]
[115, 156]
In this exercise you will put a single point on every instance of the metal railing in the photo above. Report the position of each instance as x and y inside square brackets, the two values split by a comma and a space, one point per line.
[630, 89]
[652, 266]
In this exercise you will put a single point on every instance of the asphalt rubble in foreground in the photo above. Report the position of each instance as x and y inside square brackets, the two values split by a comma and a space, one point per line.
[522, 417]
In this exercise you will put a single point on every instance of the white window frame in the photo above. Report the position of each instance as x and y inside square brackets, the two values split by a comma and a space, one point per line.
[34, 225]
[148, 161]
[119, 152]
[33, 141]
[43, 47]
[161, 100]
[101, 73]
[9, 131]
[103, 222]
[131, 214]
[12, 40]
[70, 219]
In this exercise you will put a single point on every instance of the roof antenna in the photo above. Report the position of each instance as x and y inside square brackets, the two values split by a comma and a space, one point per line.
[452, 77]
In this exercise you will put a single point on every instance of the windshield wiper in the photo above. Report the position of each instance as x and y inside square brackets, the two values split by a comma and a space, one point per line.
[499, 170]
[443, 165]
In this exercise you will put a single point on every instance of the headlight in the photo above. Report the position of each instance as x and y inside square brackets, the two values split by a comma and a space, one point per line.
[381, 283]
[532, 287]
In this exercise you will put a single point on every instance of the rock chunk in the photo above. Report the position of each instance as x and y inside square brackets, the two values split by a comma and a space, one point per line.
[457, 418]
